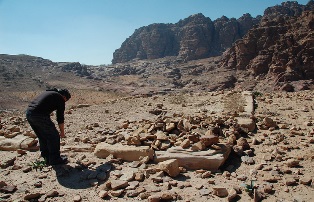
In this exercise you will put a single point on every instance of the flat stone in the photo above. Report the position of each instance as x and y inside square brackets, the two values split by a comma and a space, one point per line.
[162, 196]
[247, 160]
[118, 184]
[270, 178]
[209, 159]
[8, 189]
[204, 192]
[116, 193]
[124, 152]
[52, 193]
[132, 193]
[128, 175]
[7, 160]
[31, 196]
[79, 148]
[306, 180]
[132, 185]
[249, 103]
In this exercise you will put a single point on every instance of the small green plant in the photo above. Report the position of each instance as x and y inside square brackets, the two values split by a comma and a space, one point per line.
[249, 187]
[257, 94]
[39, 164]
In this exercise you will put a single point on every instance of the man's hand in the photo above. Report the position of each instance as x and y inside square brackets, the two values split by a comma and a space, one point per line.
[61, 127]
[62, 135]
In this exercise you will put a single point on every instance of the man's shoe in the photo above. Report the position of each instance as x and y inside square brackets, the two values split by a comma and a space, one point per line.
[46, 161]
[64, 157]
[59, 161]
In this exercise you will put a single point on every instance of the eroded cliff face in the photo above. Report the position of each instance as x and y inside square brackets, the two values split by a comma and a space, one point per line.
[192, 38]
[281, 46]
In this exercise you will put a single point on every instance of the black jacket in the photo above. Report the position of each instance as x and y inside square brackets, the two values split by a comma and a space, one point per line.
[46, 103]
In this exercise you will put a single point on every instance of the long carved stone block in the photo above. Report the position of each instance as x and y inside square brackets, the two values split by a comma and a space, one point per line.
[209, 160]
[125, 152]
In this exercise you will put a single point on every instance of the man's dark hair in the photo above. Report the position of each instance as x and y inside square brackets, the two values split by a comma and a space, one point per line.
[65, 93]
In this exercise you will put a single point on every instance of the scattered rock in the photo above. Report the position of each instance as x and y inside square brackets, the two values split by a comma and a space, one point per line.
[171, 167]
[103, 193]
[220, 191]
[306, 180]
[77, 198]
[292, 163]
[32, 196]
[118, 184]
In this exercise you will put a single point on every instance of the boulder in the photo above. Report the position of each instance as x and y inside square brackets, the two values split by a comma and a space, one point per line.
[125, 152]
[220, 191]
[170, 166]
[246, 123]
[209, 140]
[269, 122]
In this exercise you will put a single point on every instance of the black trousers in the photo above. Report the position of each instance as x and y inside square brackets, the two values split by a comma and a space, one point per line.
[48, 136]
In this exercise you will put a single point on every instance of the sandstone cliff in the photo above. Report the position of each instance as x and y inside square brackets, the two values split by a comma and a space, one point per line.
[192, 38]
[281, 46]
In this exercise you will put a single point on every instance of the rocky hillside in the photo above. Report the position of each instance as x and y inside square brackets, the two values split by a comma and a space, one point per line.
[23, 70]
[22, 76]
[280, 48]
[192, 38]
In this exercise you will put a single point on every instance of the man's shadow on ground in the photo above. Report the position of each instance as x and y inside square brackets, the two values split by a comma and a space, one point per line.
[81, 177]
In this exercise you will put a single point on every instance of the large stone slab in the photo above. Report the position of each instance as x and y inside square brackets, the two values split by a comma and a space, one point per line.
[18, 142]
[249, 103]
[125, 152]
[78, 148]
[209, 160]
[244, 120]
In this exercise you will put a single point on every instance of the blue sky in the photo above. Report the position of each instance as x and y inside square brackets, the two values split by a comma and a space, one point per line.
[89, 31]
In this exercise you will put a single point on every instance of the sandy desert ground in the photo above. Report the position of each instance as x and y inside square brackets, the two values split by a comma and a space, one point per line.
[278, 155]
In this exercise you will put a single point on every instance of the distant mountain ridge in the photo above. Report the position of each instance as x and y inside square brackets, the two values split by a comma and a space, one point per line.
[195, 37]
[192, 38]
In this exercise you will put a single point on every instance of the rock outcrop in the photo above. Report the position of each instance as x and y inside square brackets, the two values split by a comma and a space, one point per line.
[75, 67]
[192, 38]
[280, 47]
